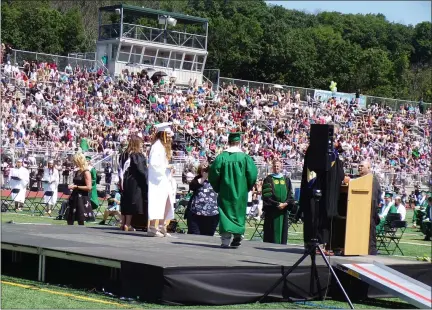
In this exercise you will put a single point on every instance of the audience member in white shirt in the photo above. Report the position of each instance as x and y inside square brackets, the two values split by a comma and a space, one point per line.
[400, 207]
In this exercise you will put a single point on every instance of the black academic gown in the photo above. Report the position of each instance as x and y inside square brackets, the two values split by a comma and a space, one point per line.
[271, 210]
[376, 197]
[329, 183]
[135, 187]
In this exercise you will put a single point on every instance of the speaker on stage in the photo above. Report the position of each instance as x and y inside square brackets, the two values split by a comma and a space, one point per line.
[320, 147]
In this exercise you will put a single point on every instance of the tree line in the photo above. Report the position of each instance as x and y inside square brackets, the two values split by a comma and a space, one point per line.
[254, 41]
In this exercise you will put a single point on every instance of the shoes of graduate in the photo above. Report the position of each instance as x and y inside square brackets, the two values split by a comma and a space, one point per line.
[153, 232]
[235, 243]
[164, 231]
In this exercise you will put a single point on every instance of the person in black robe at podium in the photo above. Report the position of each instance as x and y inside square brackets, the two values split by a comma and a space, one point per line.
[134, 200]
[364, 169]
[329, 183]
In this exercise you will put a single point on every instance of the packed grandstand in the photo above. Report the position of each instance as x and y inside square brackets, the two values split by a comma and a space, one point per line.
[50, 112]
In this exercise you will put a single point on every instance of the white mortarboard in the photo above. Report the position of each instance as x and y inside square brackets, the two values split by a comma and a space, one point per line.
[165, 127]
[19, 160]
[50, 161]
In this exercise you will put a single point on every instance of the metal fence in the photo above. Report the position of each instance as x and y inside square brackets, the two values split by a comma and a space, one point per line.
[394, 104]
[18, 56]
[260, 85]
[88, 56]
[213, 76]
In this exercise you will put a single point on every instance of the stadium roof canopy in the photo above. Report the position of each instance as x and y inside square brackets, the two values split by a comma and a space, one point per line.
[128, 9]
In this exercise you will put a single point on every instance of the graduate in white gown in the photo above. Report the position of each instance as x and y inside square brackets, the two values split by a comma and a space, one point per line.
[160, 204]
[19, 177]
[50, 181]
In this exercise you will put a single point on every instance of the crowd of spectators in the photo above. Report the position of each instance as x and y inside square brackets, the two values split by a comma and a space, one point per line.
[69, 108]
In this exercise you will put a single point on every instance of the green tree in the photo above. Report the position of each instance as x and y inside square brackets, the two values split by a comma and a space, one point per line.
[255, 41]
[74, 39]
[374, 71]
[422, 43]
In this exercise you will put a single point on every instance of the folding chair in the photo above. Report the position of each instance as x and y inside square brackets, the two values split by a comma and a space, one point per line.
[259, 227]
[63, 193]
[396, 233]
[102, 197]
[392, 232]
[252, 212]
[35, 198]
[31, 194]
[41, 206]
[63, 196]
[8, 204]
[182, 201]
[112, 220]
[292, 222]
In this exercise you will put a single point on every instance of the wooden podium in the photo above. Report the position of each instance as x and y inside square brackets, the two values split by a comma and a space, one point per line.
[351, 228]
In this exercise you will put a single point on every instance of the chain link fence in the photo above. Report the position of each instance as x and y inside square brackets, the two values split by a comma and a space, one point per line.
[266, 86]
[213, 76]
[394, 104]
[19, 56]
[88, 56]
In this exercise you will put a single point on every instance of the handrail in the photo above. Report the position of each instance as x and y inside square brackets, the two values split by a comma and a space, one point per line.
[52, 55]
[161, 29]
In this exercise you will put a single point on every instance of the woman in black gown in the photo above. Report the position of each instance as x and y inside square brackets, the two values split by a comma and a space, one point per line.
[79, 201]
[135, 187]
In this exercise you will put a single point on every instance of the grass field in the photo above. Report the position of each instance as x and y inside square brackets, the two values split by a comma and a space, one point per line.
[23, 294]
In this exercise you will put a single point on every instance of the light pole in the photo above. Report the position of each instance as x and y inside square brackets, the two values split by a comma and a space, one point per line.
[166, 20]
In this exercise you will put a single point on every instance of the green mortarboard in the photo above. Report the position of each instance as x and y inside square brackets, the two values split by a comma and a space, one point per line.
[88, 157]
[234, 136]
[388, 195]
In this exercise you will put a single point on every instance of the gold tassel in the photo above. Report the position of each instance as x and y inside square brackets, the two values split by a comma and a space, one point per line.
[164, 137]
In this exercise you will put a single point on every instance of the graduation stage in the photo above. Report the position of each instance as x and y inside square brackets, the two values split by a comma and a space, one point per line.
[183, 269]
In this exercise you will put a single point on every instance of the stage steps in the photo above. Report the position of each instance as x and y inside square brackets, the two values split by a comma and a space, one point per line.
[392, 282]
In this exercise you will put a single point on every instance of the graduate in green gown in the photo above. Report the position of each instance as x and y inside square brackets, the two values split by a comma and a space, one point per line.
[94, 200]
[277, 194]
[387, 208]
[232, 175]
[84, 144]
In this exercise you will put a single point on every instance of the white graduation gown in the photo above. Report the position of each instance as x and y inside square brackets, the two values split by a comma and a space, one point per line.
[159, 184]
[21, 184]
[53, 179]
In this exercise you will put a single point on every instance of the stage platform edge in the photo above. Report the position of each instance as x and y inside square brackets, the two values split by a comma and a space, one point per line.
[174, 278]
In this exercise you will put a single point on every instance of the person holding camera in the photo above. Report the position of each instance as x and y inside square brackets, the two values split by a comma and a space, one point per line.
[113, 207]
[202, 213]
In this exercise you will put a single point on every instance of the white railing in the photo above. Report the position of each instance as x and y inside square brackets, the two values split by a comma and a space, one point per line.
[18, 56]
[172, 37]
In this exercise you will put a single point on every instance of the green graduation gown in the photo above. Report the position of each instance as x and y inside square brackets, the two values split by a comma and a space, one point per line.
[380, 226]
[94, 200]
[84, 145]
[276, 190]
[232, 175]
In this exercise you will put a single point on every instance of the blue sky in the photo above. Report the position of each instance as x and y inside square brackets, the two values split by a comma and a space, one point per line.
[403, 12]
